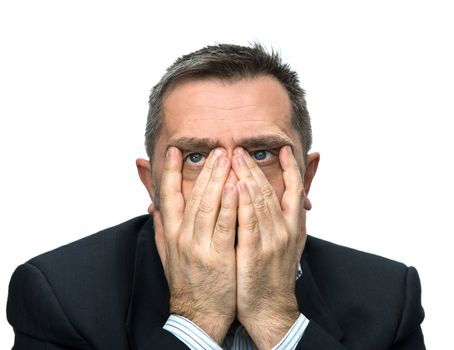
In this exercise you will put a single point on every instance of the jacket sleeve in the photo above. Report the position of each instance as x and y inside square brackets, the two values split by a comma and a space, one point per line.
[409, 334]
[162, 339]
[315, 338]
[36, 315]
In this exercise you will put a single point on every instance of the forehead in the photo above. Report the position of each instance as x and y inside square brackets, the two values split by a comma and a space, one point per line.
[228, 111]
[202, 95]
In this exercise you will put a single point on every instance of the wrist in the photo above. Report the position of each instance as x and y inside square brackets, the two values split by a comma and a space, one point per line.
[189, 333]
[214, 325]
[268, 327]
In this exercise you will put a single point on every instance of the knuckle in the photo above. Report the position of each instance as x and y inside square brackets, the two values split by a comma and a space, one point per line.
[205, 207]
[196, 196]
[252, 224]
[260, 205]
[226, 206]
[267, 191]
[222, 227]
[248, 177]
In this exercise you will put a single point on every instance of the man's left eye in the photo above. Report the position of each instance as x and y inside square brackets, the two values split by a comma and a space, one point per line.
[261, 155]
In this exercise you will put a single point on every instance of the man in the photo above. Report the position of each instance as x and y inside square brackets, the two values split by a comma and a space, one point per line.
[224, 258]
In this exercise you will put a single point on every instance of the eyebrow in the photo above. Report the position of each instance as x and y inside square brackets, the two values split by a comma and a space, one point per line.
[194, 143]
[266, 141]
[206, 144]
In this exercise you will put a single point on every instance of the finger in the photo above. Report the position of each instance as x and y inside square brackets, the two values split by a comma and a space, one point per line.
[266, 219]
[208, 208]
[170, 196]
[248, 226]
[301, 242]
[232, 178]
[224, 233]
[265, 188]
[245, 175]
[294, 189]
[199, 187]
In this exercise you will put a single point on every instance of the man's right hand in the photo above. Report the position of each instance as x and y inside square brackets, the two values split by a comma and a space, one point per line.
[195, 241]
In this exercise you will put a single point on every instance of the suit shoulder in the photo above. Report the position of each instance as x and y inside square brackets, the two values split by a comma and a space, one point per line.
[368, 278]
[346, 257]
[380, 292]
[110, 243]
[84, 286]
[84, 273]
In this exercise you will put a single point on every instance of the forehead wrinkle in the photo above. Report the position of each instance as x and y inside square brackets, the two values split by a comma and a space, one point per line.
[224, 108]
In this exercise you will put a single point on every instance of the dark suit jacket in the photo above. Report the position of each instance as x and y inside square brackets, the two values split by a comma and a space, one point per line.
[108, 291]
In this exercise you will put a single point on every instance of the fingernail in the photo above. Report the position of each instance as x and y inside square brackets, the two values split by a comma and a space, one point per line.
[218, 152]
[239, 151]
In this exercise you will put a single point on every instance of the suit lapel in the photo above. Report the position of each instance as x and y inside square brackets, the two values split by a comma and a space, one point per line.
[149, 301]
[312, 304]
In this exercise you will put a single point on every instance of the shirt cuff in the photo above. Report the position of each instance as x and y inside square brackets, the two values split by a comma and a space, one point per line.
[293, 336]
[190, 334]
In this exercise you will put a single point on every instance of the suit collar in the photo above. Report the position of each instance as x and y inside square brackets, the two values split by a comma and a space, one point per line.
[149, 301]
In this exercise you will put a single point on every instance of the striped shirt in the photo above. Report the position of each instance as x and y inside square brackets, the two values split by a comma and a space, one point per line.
[237, 339]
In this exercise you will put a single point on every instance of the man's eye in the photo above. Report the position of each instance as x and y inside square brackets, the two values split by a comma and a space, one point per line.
[195, 159]
[262, 155]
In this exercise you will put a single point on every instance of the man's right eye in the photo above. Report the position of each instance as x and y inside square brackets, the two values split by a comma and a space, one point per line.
[195, 159]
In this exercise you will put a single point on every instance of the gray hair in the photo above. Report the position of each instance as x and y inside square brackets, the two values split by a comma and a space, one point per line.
[229, 62]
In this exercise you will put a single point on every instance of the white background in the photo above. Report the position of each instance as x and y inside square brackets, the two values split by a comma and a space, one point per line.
[74, 82]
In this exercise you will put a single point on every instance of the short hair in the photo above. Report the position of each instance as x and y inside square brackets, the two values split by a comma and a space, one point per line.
[229, 62]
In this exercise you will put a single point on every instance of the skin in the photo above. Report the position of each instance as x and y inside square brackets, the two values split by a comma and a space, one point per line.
[229, 160]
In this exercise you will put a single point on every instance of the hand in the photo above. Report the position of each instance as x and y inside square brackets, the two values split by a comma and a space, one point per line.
[271, 238]
[196, 242]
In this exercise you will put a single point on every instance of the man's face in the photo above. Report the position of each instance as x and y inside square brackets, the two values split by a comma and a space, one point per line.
[203, 114]
[199, 115]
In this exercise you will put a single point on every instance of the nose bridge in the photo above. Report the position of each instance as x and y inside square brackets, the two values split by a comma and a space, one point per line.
[228, 144]
[225, 138]
[229, 151]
